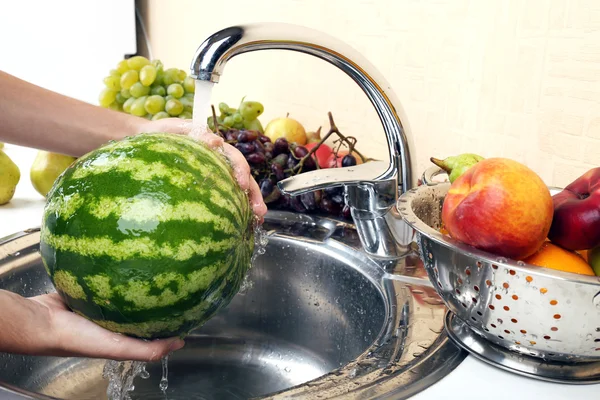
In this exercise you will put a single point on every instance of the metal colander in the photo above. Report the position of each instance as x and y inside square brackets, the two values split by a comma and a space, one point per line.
[530, 310]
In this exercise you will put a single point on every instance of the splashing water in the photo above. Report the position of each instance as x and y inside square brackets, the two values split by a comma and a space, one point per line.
[202, 102]
[120, 375]
[261, 240]
[164, 381]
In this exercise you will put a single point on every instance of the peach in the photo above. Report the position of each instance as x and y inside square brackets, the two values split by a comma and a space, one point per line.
[501, 206]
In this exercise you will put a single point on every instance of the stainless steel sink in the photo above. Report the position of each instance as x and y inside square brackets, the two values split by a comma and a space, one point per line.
[320, 319]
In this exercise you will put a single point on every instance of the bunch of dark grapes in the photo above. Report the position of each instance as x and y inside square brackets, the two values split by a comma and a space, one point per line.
[272, 162]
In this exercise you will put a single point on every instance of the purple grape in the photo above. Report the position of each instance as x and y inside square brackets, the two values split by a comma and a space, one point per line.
[346, 212]
[300, 151]
[308, 200]
[277, 171]
[281, 146]
[231, 135]
[247, 136]
[245, 148]
[330, 206]
[281, 160]
[266, 187]
[268, 155]
[309, 164]
[348, 161]
[256, 158]
[334, 191]
[259, 146]
[292, 162]
[264, 139]
[268, 146]
[296, 204]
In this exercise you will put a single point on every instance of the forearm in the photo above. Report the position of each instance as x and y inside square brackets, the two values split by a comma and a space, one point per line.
[35, 117]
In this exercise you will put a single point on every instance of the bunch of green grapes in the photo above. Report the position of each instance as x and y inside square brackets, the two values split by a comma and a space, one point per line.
[243, 117]
[144, 88]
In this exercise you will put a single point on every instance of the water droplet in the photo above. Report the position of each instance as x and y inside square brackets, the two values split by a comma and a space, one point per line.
[287, 369]
[164, 381]
[520, 263]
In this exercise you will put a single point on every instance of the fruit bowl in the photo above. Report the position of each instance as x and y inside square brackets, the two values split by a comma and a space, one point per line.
[535, 312]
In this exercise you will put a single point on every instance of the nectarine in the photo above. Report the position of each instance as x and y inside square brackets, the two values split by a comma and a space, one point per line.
[501, 206]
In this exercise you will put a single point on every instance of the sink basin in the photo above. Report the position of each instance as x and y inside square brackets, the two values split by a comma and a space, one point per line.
[317, 319]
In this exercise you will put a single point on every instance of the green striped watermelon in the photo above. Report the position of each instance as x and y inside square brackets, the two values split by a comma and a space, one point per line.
[148, 236]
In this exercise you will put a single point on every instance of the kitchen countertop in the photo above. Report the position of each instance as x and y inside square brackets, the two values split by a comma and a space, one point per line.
[471, 380]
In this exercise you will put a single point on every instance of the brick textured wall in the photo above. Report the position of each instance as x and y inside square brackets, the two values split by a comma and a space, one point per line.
[518, 79]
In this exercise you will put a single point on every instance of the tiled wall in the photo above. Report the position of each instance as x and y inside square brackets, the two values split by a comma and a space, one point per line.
[518, 79]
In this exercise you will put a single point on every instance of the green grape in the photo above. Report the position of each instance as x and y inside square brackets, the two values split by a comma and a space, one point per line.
[127, 105]
[158, 90]
[114, 106]
[171, 76]
[120, 99]
[254, 125]
[114, 72]
[189, 84]
[129, 78]
[174, 107]
[155, 104]
[113, 82]
[223, 108]
[106, 97]
[169, 97]
[157, 64]
[175, 90]
[137, 62]
[148, 116]
[139, 90]
[228, 121]
[237, 118]
[251, 110]
[211, 123]
[122, 67]
[138, 107]
[161, 115]
[147, 75]
[185, 115]
[181, 74]
[188, 104]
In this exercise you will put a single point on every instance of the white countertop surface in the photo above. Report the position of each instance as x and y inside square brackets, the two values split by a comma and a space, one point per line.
[471, 380]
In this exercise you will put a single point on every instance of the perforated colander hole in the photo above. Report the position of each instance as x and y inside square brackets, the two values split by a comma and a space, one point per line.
[435, 271]
[457, 291]
[481, 315]
[529, 279]
[553, 302]
[523, 331]
[439, 284]
[491, 307]
[554, 329]
[460, 281]
[533, 354]
[464, 305]
[533, 342]
[486, 329]
[506, 308]
[597, 329]
[551, 354]
[505, 285]
[476, 288]
[468, 271]
[513, 320]
[512, 272]
[597, 348]
[500, 337]
[494, 266]
[507, 331]
[547, 337]
[557, 316]
[474, 300]
[517, 342]
[488, 282]
[474, 319]
[515, 297]
[430, 256]
[499, 297]
[493, 325]
[500, 320]
[479, 265]
[597, 340]
[543, 290]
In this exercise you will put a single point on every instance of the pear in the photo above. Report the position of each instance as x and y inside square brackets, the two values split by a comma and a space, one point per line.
[455, 166]
[9, 178]
[46, 168]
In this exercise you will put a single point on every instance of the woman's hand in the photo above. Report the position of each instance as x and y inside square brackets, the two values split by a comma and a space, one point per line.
[240, 165]
[43, 325]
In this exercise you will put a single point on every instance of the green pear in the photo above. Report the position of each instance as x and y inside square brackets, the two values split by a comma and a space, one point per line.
[46, 168]
[593, 257]
[455, 166]
[9, 178]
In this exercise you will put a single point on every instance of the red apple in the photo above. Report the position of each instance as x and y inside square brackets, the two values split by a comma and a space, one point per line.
[500, 206]
[322, 154]
[576, 221]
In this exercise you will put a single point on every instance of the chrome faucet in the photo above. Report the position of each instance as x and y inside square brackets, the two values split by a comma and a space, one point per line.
[372, 188]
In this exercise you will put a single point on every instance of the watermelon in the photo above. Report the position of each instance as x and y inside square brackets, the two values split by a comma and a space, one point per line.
[148, 236]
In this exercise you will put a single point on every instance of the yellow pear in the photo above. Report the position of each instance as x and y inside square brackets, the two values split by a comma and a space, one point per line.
[9, 178]
[287, 128]
[46, 168]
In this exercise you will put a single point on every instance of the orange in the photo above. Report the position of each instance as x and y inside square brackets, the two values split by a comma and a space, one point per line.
[584, 254]
[552, 256]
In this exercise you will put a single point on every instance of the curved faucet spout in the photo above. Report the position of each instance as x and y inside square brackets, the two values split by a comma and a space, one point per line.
[212, 55]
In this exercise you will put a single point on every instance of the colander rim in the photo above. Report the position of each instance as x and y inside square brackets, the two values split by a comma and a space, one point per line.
[405, 208]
